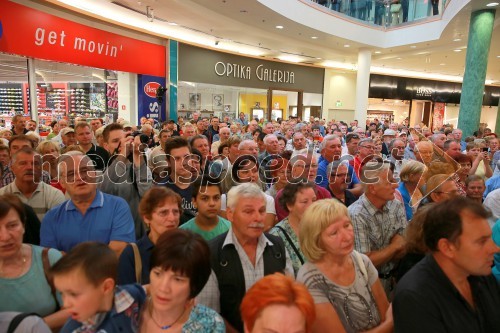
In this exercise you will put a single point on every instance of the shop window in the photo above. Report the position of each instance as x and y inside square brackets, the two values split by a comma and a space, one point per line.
[13, 100]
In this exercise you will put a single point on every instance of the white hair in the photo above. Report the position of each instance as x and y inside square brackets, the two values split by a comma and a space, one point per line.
[244, 143]
[245, 190]
[327, 139]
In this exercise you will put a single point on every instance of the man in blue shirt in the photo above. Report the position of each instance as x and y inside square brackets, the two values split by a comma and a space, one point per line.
[89, 215]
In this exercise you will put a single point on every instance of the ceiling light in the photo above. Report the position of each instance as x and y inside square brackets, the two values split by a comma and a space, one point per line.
[172, 23]
[289, 58]
[442, 64]
[318, 58]
[399, 58]
[279, 27]
[378, 52]
[492, 4]
[498, 56]
[457, 50]
[347, 45]
[457, 39]
[314, 37]
[413, 47]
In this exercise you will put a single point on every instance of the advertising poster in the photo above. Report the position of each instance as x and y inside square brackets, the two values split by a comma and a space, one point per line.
[148, 104]
[438, 116]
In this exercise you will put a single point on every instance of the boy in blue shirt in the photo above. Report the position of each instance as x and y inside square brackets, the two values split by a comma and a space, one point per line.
[86, 279]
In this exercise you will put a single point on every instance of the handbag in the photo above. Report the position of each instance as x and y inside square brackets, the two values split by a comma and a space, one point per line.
[395, 7]
[138, 263]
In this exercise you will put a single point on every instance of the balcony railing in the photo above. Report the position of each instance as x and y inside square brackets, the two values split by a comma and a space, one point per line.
[386, 13]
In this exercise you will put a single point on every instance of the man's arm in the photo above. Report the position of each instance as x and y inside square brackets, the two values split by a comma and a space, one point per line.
[122, 226]
[118, 247]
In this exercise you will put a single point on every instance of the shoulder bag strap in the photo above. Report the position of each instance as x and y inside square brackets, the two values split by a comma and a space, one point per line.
[297, 252]
[46, 272]
[138, 263]
[14, 323]
[361, 264]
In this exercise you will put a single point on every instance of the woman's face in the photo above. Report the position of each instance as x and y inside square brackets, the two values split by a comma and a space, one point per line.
[7, 135]
[280, 173]
[378, 147]
[248, 173]
[303, 200]
[164, 217]
[338, 238]
[169, 290]
[50, 154]
[464, 169]
[11, 234]
[279, 318]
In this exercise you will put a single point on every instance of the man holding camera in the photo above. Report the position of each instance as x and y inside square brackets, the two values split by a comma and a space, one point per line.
[127, 175]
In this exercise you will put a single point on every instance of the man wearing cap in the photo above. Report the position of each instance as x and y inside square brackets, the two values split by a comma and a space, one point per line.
[388, 136]
[68, 137]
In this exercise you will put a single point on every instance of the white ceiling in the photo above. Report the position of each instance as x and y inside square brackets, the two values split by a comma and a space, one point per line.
[249, 24]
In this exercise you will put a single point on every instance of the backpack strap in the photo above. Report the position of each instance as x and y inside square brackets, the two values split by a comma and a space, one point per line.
[14, 323]
[297, 252]
[138, 263]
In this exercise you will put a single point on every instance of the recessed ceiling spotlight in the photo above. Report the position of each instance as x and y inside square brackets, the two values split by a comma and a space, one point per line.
[172, 23]
[413, 47]
[314, 37]
[457, 40]
[457, 50]
[318, 58]
[347, 45]
[442, 64]
[399, 58]
[498, 56]
[279, 27]
[492, 4]
[377, 52]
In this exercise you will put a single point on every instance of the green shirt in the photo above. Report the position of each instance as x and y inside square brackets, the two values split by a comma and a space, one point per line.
[219, 229]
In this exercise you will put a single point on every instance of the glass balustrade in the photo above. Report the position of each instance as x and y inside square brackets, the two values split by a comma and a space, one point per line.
[386, 13]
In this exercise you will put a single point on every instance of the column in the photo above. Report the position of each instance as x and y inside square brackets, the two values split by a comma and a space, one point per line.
[33, 97]
[476, 61]
[497, 126]
[127, 97]
[173, 78]
[362, 86]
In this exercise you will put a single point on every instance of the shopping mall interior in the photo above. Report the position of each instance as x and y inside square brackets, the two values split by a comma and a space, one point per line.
[341, 60]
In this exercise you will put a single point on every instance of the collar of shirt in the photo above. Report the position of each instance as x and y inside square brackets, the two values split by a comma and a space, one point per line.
[98, 202]
[231, 239]
[372, 210]
[15, 189]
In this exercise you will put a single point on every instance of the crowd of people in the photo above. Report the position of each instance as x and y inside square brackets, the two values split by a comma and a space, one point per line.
[238, 225]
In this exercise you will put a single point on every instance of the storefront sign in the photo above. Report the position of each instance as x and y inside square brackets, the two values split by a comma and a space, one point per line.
[403, 88]
[261, 72]
[32, 33]
[207, 66]
[149, 106]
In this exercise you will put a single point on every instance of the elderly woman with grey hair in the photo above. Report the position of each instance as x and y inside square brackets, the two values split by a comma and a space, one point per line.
[344, 284]
[410, 186]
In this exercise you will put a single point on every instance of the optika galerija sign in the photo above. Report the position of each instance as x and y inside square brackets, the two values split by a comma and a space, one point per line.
[261, 72]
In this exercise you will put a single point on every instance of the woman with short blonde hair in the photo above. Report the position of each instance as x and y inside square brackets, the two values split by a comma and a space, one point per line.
[344, 284]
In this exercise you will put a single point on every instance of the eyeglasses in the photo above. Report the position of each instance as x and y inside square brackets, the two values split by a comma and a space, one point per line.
[368, 147]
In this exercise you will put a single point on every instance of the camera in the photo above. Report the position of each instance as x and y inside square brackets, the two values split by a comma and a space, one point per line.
[143, 137]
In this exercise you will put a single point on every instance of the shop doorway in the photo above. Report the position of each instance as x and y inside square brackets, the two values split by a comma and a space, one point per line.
[277, 109]
[420, 112]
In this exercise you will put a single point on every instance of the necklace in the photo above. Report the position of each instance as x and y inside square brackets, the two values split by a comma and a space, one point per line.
[163, 327]
[23, 262]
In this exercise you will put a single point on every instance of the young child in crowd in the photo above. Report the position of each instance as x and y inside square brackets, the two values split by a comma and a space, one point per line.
[86, 279]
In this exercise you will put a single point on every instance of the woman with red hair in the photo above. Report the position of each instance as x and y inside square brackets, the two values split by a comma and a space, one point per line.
[276, 303]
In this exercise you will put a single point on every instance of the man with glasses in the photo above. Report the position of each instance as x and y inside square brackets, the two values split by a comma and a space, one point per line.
[89, 214]
[440, 188]
[339, 181]
[366, 148]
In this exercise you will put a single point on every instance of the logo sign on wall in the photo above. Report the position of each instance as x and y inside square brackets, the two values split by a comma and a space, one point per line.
[52, 38]
[1, 29]
[149, 106]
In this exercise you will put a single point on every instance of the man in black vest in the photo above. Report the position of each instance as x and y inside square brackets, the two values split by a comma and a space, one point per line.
[243, 255]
